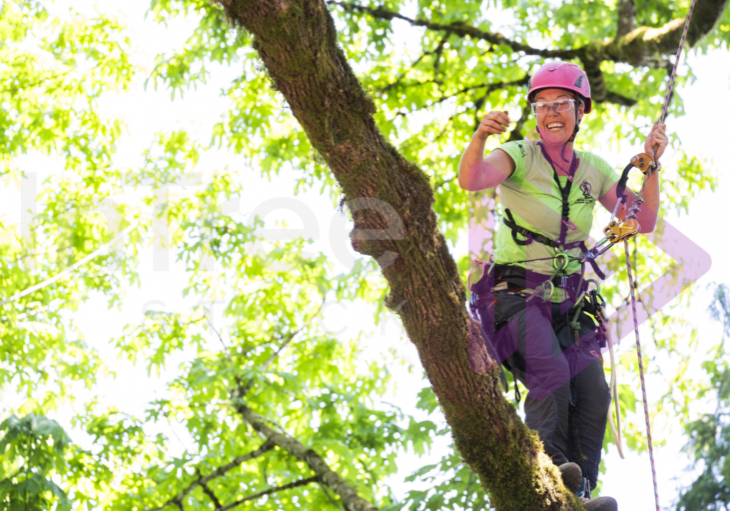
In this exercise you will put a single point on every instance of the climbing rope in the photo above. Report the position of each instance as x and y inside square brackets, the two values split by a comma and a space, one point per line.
[668, 95]
[641, 371]
[628, 260]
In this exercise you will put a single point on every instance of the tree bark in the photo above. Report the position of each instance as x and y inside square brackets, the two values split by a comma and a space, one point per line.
[626, 17]
[297, 42]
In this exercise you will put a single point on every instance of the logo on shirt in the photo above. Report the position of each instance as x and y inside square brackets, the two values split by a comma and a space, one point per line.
[585, 187]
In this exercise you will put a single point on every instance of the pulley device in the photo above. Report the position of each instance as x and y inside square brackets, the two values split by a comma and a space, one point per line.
[624, 223]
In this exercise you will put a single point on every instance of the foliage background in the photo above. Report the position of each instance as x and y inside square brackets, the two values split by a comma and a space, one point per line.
[127, 397]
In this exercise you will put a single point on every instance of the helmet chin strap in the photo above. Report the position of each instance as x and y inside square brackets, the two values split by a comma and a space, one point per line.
[575, 129]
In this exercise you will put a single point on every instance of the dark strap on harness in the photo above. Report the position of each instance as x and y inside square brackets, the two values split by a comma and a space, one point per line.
[519, 278]
[592, 262]
[621, 186]
[531, 236]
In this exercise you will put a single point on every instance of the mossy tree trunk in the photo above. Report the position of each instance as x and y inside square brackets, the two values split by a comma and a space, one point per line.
[297, 42]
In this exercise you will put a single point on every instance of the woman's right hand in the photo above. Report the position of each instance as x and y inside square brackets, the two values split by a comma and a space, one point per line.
[494, 122]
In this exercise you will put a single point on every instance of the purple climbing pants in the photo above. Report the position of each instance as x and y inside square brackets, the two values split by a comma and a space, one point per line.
[568, 399]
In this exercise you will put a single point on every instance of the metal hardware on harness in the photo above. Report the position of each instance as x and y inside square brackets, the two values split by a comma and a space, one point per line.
[619, 231]
[598, 301]
[643, 162]
[600, 248]
[561, 267]
[615, 231]
[542, 291]
[564, 281]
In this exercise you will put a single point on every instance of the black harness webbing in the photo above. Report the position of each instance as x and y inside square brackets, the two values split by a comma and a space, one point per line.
[621, 186]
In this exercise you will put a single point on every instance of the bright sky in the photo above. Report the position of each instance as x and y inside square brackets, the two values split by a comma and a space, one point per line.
[147, 112]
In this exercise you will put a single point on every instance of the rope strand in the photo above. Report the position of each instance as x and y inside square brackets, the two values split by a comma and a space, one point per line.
[641, 373]
[637, 204]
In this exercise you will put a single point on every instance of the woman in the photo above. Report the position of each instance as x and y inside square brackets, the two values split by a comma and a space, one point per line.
[548, 192]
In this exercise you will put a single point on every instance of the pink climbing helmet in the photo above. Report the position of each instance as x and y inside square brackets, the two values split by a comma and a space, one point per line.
[561, 75]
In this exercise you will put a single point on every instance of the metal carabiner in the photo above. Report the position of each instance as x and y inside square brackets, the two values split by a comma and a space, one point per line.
[595, 283]
[599, 305]
[543, 290]
[598, 249]
[566, 260]
[619, 202]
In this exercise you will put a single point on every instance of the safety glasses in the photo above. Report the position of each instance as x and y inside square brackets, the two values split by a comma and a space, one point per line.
[561, 105]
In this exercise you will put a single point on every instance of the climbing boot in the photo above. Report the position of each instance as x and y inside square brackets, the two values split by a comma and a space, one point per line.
[572, 476]
[600, 504]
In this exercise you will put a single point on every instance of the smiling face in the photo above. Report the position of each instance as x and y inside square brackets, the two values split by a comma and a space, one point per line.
[557, 127]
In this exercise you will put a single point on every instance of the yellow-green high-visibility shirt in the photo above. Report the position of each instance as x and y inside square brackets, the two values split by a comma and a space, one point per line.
[533, 198]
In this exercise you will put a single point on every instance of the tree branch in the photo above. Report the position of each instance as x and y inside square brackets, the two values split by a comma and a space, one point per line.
[638, 47]
[646, 42]
[633, 47]
[437, 58]
[490, 87]
[458, 28]
[326, 492]
[178, 499]
[289, 486]
[626, 17]
[404, 74]
[208, 491]
[618, 99]
[287, 339]
[326, 475]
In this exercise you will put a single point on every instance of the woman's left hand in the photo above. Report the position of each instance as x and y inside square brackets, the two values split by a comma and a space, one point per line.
[657, 137]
